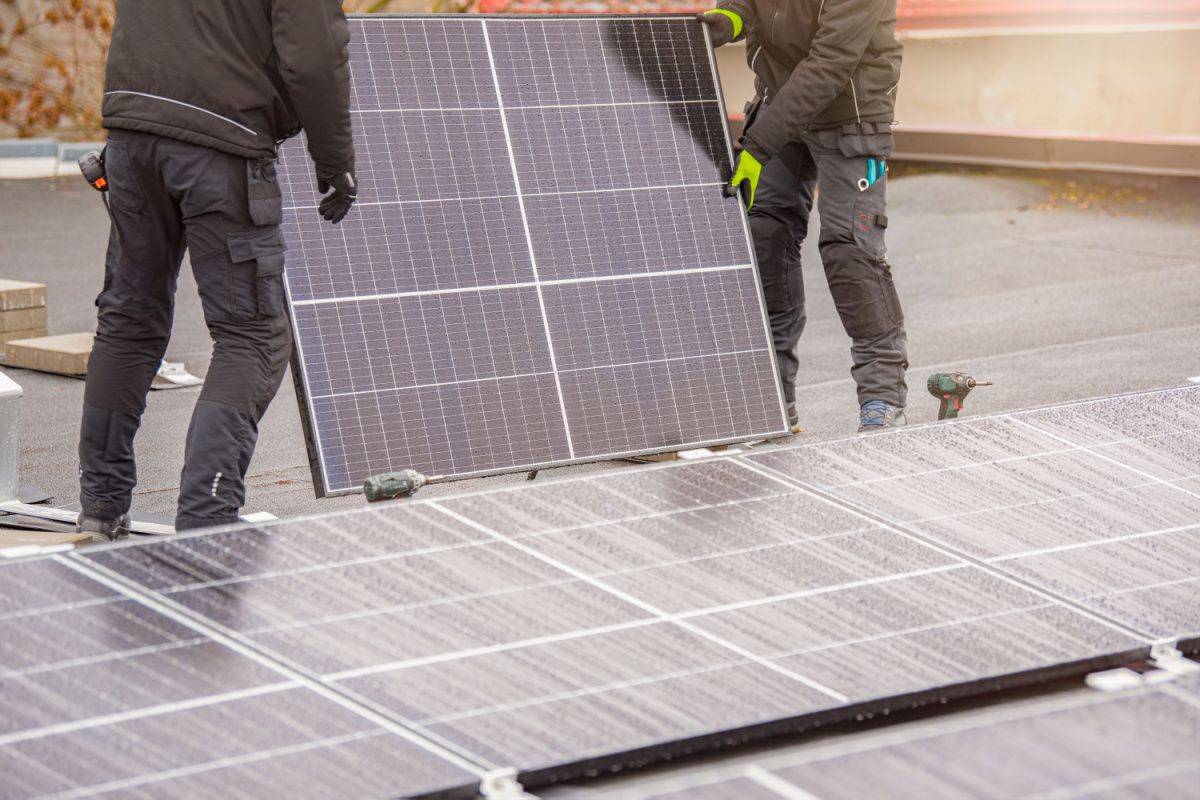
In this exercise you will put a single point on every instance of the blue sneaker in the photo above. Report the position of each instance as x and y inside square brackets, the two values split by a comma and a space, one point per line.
[876, 415]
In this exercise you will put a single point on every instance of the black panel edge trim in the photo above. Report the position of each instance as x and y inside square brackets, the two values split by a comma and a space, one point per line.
[306, 425]
[866, 712]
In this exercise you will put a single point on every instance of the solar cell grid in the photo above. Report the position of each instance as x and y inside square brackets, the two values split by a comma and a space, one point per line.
[583, 621]
[512, 169]
[1093, 501]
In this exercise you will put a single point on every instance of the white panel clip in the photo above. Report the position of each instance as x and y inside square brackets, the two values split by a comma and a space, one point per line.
[501, 784]
[1165, 656]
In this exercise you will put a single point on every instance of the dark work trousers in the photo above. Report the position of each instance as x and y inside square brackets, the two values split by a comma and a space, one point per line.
[166, 196]
[852, 252]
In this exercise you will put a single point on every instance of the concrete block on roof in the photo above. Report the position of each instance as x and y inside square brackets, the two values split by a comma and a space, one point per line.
[16, 336]
[23, 319]
[15, 295]
[63, 355]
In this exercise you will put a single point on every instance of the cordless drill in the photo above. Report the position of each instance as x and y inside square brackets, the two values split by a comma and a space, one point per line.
[954, 386]
[394, 485]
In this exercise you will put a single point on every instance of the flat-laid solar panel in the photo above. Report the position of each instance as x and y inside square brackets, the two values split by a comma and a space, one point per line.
[541, 268]
[601, 621]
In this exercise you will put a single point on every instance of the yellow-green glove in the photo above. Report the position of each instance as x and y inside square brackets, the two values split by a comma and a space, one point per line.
[724, 26]
[748, 169]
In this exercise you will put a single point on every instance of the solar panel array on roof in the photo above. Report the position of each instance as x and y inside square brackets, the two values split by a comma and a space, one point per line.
[541, 268]
[596, 622]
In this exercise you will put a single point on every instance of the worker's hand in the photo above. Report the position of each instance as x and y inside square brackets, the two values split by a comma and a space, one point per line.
[748, 169]
[724, 26]
[345, 191]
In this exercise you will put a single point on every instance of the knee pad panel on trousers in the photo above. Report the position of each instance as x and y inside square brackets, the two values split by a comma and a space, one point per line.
[249, 359]
[777, 250]
[862, 289]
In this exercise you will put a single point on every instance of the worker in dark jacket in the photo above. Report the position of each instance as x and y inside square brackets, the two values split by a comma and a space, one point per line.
[197, 95]
[826, 73]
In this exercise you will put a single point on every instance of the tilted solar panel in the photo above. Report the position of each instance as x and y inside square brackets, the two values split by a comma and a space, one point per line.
[541, 268]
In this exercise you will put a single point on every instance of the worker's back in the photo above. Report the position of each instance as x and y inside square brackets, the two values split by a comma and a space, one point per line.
[234, 75]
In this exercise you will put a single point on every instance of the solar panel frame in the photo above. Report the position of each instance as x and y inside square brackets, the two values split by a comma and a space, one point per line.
[540, 453]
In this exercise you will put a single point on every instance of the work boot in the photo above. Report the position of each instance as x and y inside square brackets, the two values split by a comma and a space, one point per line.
[103, 531]
[876, 415]
[793, 418]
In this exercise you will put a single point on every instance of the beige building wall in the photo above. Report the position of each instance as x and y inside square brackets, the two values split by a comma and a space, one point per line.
[1143, 83]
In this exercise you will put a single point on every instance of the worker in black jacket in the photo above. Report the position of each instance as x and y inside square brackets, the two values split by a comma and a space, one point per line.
[197, 95]
[826, 73]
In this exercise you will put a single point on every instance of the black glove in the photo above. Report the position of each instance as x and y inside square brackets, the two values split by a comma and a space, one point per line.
[724, 26]
[345, 191]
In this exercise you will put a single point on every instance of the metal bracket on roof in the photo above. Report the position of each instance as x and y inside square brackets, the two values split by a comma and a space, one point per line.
[502, 784]
[1167, 657]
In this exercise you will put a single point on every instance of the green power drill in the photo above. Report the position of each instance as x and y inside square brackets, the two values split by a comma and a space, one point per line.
[954, 386]
[393, 485]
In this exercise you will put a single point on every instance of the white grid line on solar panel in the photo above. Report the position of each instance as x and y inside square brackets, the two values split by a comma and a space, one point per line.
[1180, 694]
[963, 557]
[365, 560]
[1092, 449]
[100, 658]
[435, 200]
[1093, 543]
[1071, 447]
[565, 370]
[529, 240]
[449, 599]
[224, 763]
[629, 598]
[680, 618]
[60, 728]
[524, 285]
[658, 677]
[1037, 501]
[76, 604]
[223, 636]
[1126, 780]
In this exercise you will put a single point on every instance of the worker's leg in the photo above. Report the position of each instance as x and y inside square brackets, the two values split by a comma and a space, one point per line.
[133, 321]
[854, 256]
[779, 224]
[237, 258]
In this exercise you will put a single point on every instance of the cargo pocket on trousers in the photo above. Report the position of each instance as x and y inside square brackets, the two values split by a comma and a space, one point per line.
[263, 193]
[869, 220]
[265, 249]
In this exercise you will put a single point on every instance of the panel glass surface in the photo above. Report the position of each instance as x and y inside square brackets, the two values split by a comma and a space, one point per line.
[1095, 501]
[549, 624]
[101, 695]
[541, 267]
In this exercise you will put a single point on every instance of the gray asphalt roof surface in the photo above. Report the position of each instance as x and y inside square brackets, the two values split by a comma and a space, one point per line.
[1000, 277]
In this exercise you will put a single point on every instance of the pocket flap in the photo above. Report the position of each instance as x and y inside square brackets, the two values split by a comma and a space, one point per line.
[255, 244]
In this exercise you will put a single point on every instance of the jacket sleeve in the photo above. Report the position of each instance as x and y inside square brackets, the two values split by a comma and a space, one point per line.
[312, 39]
[745, 10]
[843, 34]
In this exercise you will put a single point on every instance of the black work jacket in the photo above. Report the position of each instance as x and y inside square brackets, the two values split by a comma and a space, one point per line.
[820, 64]
[238, 76]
